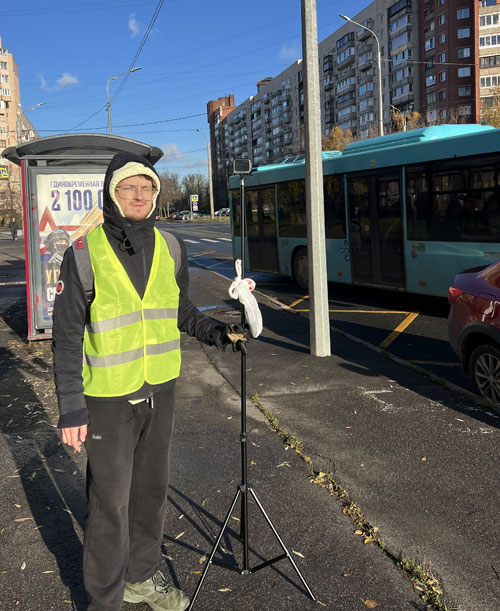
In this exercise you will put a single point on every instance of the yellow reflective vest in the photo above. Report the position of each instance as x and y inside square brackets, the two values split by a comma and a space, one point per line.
[128, 340]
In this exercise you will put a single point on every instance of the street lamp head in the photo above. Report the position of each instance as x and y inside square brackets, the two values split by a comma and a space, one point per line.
[344, 17]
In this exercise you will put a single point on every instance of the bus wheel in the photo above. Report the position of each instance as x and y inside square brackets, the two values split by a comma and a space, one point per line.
[300, 268]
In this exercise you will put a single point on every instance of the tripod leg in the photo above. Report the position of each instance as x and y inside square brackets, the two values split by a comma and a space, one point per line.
[214, 549]
[268, 520]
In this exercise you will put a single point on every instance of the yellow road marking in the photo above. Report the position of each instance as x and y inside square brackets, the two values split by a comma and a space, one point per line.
[398, 330]
[360, 311]
[298, 301]
[435, 363]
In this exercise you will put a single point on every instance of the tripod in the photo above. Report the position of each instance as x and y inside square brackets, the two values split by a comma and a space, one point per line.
[245, 488]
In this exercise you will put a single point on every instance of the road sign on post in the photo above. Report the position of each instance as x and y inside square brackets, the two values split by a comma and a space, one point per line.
[194, 203]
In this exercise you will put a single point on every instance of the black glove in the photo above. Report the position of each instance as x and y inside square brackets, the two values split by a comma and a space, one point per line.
[234, 335]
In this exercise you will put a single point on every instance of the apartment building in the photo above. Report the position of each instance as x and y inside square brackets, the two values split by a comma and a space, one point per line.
[429, 56]
[489, 49]
[14, 128]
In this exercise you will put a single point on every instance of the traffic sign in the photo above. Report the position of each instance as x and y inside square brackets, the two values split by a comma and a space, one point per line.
[194, 198]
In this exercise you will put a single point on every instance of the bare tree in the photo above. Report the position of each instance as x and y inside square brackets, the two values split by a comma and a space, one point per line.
[490, 115]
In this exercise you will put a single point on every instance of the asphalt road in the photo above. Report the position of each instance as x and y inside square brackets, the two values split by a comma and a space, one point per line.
[411, 327]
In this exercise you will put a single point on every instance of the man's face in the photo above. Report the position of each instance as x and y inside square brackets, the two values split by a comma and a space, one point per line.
[135, 197]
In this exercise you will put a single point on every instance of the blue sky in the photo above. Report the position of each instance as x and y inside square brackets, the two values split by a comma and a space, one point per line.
[197, 51]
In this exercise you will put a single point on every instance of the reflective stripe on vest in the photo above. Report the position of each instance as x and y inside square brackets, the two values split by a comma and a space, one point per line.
[128, 340]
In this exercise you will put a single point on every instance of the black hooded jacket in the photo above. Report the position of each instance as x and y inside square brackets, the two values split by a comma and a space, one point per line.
[133, 243]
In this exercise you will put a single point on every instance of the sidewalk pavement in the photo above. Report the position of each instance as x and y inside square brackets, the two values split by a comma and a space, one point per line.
[414, 462]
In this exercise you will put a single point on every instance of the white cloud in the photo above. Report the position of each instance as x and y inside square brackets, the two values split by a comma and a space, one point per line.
[66, 80]
[289, 52]
[133, 25]
[171, 152]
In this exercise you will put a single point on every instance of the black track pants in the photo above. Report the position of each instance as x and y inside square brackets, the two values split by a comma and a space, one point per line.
[128, 450]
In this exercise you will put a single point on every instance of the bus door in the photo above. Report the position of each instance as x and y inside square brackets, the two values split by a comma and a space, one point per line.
[261, 230]
[376, 230]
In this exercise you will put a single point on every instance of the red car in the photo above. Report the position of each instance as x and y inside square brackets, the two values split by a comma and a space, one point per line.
[474, 327]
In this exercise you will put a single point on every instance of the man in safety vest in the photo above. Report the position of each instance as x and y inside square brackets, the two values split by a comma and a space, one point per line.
[120, 404]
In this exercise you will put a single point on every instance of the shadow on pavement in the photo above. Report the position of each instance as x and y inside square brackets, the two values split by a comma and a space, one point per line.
[53, 485]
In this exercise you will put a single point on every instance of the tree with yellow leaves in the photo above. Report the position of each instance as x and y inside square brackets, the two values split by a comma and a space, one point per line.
[490, 115]
[337, 140]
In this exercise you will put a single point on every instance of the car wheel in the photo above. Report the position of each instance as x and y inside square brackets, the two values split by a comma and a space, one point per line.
[484, 371]
[301, 268]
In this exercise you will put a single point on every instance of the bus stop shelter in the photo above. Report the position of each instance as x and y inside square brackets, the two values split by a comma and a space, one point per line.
[62, 180]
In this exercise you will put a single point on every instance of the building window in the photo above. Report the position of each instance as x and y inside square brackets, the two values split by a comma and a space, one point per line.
[489, 41]
[463, 52]
[5, 91]
[463, 13]
[429, 63]
[4, 78]
[463, 33]
[431, 98]
[465, 71]
[442, 95]
[465, 91]
[488, 3]
[490, 81]
[465, 110]
[442, 113]
[4, 66]
[431, 116]
[440, 2]
[442, 77]
[430, 80]
[441, 19]
[486, 21]
[430, 43]
[442, 39]
[442, 58]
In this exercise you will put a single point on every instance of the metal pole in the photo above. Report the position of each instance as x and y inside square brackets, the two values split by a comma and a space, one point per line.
[210, 186]
[379, 75]
[110, 130]
[108, 104]
[20, 120]
[316, 245]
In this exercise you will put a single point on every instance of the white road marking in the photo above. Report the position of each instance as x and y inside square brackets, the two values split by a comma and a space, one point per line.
[384, 406]
[226, 239]
[209, 240]
[191, 241]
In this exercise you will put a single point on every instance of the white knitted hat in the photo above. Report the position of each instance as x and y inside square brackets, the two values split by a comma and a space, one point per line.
[133, 168]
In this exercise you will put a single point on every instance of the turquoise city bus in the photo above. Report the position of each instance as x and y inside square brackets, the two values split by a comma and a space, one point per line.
[407, 211]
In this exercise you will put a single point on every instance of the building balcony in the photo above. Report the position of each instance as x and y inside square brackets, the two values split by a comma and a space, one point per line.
[287, 117]
[366, 62]
[346, 62]
[405, 97]
[363, 34]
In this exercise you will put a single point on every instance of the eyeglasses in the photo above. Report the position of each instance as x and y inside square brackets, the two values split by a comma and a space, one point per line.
[130, 192]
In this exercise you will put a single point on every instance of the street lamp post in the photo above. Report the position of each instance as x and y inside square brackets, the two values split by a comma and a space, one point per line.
[20, 119]
[210, 186]
[108, 105]
[379, 71]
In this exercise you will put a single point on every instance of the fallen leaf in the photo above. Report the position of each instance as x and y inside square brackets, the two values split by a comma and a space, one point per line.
[320, 603]
[48, 571]
[371, 604]
[230, 418]
[23, 566]
[16, 505]
[195, 572]
[348, 427]
[368, 540]
[235, 519]
[180, 534]
[224, 590]
[297, 553]
[423, 459]
[203, 559]
[22, 519]
[285, 463]
[204, 502]
[358, 532]
[252, 463]
[346, 574]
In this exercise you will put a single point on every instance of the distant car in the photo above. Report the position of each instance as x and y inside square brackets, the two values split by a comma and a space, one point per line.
[474, 327]
[222, 212]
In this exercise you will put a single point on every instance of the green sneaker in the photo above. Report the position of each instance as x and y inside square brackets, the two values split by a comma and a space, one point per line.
[157, 593]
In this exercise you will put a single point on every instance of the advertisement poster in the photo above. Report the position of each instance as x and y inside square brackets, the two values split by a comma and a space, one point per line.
[69, 206]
